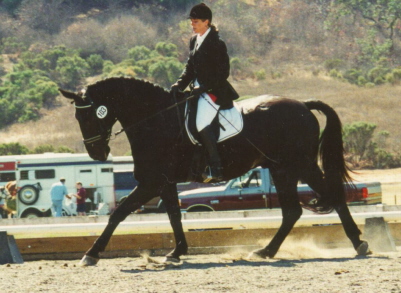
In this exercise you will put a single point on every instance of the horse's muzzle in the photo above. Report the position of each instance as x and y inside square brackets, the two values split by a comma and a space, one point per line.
[98, 152]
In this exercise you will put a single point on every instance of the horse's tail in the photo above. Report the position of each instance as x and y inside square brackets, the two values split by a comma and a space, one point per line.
[331, 151]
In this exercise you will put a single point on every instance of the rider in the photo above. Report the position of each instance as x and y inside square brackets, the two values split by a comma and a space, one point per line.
[206, 71]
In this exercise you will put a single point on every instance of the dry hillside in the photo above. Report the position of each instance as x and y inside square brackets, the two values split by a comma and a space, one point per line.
[377, 105]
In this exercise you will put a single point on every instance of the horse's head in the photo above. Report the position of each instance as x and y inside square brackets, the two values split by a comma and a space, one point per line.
[96, 122]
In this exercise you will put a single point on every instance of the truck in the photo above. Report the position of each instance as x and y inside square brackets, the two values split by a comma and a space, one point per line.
[35, 175]
[255, 190]
[125, 182]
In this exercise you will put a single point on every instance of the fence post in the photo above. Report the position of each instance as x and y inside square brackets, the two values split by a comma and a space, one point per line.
[378, 234]
[9, 252]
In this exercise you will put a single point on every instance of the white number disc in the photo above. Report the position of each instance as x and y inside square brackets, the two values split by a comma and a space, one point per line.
[101, 112]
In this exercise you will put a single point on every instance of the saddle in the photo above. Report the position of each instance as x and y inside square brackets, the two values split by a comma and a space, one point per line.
[226, 124]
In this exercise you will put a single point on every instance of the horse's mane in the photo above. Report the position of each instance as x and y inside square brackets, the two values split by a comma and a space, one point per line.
[154, 92]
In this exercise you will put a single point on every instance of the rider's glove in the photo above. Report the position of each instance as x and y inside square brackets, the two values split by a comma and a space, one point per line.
[197, 91]
[175, 90]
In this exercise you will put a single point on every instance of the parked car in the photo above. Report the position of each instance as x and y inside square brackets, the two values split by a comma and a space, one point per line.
[256, 190]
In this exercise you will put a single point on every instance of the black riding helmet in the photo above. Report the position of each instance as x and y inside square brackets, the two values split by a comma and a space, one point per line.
[201, 11]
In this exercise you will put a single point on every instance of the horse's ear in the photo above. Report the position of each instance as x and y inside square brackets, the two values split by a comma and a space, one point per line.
[69, 95]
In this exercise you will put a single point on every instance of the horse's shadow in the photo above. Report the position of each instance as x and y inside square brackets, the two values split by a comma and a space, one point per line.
[279, 263]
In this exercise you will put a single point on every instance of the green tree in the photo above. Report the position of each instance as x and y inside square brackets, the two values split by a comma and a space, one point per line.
[166, 49]
[71, 71]
[95, 63]
[11, 5]
[139, 53]
[383, 15]
[165, 71]
[24, 92]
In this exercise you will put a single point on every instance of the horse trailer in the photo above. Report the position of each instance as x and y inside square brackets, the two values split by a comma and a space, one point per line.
[35, 175]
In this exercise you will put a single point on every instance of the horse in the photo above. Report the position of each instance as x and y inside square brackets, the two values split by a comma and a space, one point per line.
[278, 133]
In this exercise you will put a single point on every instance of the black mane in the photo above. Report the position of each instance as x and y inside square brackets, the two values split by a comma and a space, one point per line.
[153, 93]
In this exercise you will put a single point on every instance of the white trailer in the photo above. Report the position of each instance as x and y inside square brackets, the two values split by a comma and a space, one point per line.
[35, 175]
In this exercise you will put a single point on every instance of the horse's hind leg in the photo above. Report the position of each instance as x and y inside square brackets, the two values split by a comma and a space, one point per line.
[170, 199]
[314, 177]
[331, 196]
[139, 196]
[286, 186]
[351, 229]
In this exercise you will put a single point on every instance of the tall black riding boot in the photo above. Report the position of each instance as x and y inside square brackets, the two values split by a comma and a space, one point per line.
[209, 141]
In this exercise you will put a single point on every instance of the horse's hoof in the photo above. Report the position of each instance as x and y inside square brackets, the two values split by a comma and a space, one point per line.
[259, 253]
[363, 249]
[171, 259]
[88, 261]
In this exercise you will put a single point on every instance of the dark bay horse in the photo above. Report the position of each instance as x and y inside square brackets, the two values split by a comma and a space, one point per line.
[279, 133]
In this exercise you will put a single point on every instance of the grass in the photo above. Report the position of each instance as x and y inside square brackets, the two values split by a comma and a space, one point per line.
[378, 105]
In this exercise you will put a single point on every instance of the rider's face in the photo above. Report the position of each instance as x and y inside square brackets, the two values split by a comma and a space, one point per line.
[199, 26]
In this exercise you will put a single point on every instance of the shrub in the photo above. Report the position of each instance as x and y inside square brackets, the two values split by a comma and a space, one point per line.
[276, 74]
[64, 149]
[361, 80]
[357, 138]
[11, 45]
[45, 148]
[260, 74]
[369, 85]
[377, 73]
[335, 74]
[352, 75]
[14, 148]
[331, 64]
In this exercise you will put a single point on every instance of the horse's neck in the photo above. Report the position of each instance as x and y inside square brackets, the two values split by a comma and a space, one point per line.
[133, 108]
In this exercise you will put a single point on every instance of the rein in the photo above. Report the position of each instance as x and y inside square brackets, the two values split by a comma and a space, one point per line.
[176, 104]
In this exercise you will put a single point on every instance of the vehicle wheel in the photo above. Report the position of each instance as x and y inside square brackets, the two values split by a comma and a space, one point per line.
[200, 209]
[31, 215]
[28, 194]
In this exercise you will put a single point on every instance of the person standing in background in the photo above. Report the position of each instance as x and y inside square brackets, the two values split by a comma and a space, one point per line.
[81, 198]
[57, 193]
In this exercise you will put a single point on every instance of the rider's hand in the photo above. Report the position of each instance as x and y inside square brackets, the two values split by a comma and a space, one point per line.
[175, 90]
[197, 91]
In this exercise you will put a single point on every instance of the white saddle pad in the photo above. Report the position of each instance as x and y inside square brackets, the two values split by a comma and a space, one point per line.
[231, 124]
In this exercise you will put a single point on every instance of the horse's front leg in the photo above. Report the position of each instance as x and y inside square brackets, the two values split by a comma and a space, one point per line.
[139, 196]
[286, 186]
[170, 199]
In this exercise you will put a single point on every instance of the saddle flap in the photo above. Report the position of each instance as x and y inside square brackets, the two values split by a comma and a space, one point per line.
[227, 123]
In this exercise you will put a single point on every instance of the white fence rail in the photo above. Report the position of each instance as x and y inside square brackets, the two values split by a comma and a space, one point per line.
[156, 223]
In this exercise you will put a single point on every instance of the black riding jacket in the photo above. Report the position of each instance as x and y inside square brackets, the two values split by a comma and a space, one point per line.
[210, 65]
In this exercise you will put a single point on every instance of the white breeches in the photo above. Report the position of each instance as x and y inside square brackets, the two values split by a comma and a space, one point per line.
[207, 111]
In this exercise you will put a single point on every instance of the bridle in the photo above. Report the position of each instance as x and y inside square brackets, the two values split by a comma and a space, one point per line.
[104, 133]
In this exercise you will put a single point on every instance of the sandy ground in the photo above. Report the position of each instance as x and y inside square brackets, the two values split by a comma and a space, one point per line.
[300, 266]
